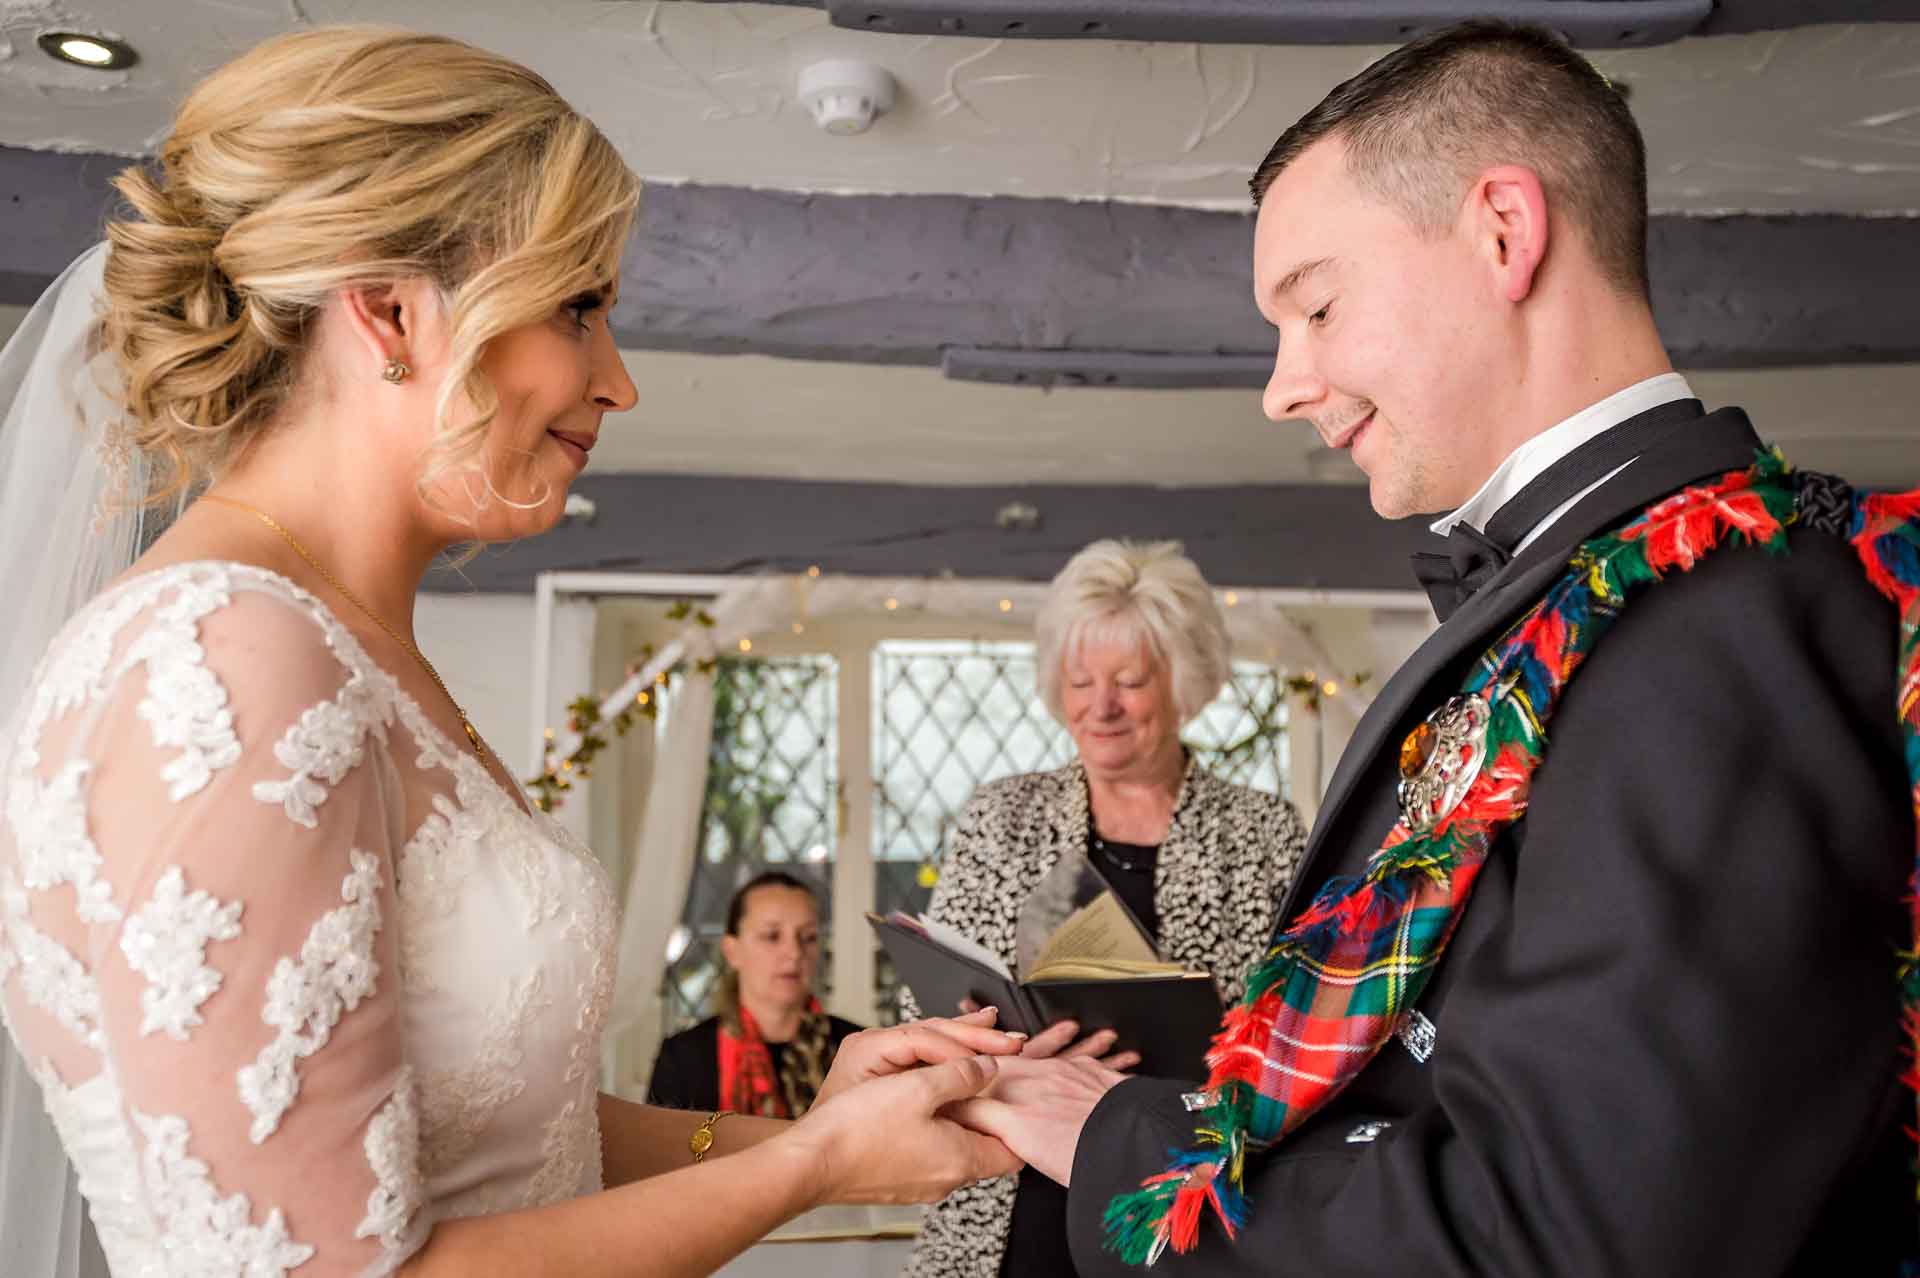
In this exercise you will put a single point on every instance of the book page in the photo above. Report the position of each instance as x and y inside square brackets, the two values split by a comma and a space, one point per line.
[1072, 969]
[1099, 930]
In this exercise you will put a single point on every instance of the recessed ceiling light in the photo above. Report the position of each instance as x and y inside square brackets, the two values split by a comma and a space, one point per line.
[95, 52]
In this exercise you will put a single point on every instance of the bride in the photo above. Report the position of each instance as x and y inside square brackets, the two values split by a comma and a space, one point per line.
[305, 982]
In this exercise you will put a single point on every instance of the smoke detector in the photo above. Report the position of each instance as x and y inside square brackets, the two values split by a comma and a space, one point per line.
[845, 95]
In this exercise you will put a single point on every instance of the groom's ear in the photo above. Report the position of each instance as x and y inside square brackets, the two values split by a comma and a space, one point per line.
[1507, 215]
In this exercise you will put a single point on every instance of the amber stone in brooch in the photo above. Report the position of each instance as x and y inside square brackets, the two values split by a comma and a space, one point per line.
[1440, 759]
[1417, 749]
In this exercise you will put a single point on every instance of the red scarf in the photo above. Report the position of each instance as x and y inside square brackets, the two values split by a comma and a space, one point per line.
[748, 1084]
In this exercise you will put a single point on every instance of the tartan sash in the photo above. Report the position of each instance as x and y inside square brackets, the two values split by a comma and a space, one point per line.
[1340, 977]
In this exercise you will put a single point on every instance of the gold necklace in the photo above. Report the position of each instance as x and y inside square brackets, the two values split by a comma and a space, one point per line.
[298, 549]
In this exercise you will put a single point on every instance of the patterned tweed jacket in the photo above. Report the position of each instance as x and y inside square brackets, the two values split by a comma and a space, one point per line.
[1229, 855]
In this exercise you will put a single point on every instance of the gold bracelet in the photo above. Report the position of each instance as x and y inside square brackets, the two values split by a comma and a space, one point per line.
[702, 1139]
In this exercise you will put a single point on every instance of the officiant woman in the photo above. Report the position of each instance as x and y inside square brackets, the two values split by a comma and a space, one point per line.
[1131, 646]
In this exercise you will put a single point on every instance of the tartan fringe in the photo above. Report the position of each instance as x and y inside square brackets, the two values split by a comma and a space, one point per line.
[1166, 1209]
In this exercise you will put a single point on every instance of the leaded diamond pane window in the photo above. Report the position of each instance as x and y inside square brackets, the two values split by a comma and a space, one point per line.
[950, 715]
[769, 804]
[1242, 736]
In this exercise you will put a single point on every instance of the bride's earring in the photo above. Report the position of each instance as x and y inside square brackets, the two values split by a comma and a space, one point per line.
[396, 371]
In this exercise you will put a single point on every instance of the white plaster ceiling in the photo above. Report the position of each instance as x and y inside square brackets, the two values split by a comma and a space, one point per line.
[1820, 118]
[798, 419]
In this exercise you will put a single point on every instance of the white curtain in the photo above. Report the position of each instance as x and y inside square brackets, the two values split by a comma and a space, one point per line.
[659, 869]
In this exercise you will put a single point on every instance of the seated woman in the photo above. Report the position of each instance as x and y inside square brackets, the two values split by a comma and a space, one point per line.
[1130, 646]
[771, 1045]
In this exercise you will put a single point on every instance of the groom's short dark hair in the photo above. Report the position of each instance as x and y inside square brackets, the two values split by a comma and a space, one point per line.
[1423, 121]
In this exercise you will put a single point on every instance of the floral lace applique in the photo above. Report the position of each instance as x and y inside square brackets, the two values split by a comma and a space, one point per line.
[327, 743]
[393, 1151]
[50, 830]
[201, 1232]
[186, 705]
[458, 1105]
[571, 1145]
[563, 1150]
[433, 870]
[50, 976]
[443, 854]
[593, 924]
[166, 942]
[118, 1214]
[306, 999]
[76, 668]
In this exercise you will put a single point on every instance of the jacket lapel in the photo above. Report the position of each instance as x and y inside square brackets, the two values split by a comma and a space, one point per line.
[1708, 445]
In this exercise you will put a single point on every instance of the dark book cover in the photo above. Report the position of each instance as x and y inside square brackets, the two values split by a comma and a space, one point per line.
[1170, 1020]
[940, 978]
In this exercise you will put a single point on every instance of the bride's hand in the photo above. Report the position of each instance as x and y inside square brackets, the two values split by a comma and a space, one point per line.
[888, 1142]
[876, 1053]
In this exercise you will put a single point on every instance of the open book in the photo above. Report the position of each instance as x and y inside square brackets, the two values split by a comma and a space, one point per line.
[1098, 968]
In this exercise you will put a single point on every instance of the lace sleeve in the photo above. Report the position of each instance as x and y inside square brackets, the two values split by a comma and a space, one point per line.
[243, 812]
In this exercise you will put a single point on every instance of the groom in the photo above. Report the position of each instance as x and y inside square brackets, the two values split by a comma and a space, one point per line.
[1664, 1038]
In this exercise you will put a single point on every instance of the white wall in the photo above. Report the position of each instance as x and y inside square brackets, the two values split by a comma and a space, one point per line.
[482, 645]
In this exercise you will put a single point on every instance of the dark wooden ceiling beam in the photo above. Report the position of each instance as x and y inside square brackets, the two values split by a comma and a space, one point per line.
[1309, 536]
[1078, 293]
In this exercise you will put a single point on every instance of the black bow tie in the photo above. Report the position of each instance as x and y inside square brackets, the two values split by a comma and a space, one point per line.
[1473, 558]
[1469, 562]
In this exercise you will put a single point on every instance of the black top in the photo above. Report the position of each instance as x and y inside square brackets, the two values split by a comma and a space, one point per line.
[1128, 870]
[686, 1074]
[1037, 1236]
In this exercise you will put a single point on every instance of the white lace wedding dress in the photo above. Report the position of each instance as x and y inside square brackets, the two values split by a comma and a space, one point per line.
[298, 977]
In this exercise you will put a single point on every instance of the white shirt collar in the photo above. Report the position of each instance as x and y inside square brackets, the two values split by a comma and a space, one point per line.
[1527, 462]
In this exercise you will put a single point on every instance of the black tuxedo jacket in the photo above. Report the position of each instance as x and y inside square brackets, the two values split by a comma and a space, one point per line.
[1668, 1038]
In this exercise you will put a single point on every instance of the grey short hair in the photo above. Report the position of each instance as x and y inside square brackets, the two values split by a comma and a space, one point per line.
[1130, 591]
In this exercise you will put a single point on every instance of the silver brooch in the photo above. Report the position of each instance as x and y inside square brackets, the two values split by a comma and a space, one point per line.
[1439, 760]
[1418, 1033]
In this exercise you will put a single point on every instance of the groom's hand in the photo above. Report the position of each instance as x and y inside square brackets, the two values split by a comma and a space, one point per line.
[1037, 1108]
[876, 1053]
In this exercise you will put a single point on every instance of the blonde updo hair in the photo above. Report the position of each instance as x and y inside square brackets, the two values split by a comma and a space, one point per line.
[343, 157]
[1129, 592]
